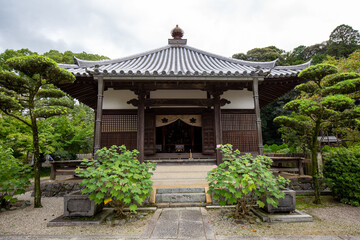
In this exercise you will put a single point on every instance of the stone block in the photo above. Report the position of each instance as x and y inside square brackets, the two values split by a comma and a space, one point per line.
[286, 204]
[78, 205]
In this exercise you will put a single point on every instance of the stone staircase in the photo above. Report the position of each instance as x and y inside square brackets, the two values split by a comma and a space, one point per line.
[179, 186]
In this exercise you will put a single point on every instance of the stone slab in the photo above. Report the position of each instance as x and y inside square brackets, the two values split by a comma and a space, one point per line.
[181, 190]
[167, 225]
[191, 229]
[66, 221]
[151, 225]
[190, 215]
[297, 216]
[181, 197]
[209, 233]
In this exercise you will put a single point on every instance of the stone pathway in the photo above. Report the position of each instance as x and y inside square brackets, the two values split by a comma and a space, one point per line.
[180, 223]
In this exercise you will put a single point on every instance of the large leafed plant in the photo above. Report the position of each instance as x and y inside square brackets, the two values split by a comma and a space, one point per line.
[117, 176]
[245, 181]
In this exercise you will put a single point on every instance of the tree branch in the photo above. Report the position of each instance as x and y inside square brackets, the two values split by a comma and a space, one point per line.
[16, 117]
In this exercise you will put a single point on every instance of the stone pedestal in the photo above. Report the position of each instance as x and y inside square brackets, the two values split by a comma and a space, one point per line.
[78, 205]
[286, 204]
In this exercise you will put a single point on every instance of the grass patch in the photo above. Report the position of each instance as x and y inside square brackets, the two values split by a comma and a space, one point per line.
[308, 202]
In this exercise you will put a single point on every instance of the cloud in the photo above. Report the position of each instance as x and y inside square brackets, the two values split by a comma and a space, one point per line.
[120, 28]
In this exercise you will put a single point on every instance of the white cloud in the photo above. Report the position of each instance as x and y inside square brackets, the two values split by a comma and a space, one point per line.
[120, 28]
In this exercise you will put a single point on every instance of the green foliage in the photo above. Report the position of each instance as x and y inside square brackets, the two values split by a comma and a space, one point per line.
[343, 41]
[321, 107]
[117, 176]
[21, 97]
[342, 171]
[67, 56]
[244, 181]
[14, 177]
[269, 112]
[66, 135]
[350, 64]
[317, 72]
[265, 54]
[283, 148]
[15, 135]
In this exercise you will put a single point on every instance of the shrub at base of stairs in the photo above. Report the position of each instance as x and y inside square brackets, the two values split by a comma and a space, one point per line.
[244, 181]
[116, 176]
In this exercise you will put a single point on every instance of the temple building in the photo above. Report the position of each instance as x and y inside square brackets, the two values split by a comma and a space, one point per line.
[177, 99]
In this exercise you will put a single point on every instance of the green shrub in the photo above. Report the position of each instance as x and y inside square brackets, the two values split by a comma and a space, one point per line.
[63, 155]
[274, 148]
[116, 176]
[342, 172]
[14, 177]
[244, 181]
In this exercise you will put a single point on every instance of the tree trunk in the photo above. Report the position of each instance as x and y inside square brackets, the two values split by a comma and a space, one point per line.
[37, 162]
[315, 169]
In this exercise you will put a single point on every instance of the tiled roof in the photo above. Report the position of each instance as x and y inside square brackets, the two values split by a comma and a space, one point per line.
[181, 60]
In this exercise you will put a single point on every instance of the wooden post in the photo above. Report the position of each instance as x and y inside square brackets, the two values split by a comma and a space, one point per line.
[141, 126]
[257, 113]
[218, 128]
[98, 119]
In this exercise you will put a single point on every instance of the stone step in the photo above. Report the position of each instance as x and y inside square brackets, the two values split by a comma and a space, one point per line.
[179, 182]
[180, 190]
[179, 175]
[180, 197]
[184, 168]
[181, 162]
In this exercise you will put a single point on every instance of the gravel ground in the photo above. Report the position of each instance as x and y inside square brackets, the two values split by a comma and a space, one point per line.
[338, 220]
[32, 220]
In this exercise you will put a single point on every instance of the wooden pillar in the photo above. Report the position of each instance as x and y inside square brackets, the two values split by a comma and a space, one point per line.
[98, 119]
[257, 113]
[218, 128]
[141, 126]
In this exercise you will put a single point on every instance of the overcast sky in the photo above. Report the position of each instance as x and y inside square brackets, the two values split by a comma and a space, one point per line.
[119, 28]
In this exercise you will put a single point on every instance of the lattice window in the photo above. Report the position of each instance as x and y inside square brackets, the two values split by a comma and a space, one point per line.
[119, 123]
[235, 122]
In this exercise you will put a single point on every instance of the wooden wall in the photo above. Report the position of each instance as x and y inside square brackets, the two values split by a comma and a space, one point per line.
[239, 129]
[118, 128]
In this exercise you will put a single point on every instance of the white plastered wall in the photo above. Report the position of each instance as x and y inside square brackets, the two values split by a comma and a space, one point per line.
[240, 99]
[117, 99]
[179, 94]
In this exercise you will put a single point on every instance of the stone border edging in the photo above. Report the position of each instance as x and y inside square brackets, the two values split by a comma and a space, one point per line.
[151, 225]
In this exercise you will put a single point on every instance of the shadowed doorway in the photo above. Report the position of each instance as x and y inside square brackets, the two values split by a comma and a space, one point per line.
[178, 137]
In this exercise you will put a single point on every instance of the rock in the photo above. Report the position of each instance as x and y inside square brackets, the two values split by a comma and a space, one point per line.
[257, 220]
[27, 203]
[230, 219]
[224, 211]
[241, 221]
[132, 220]
[122, 222]
[116, 221]
[3, 210]
[13, 208]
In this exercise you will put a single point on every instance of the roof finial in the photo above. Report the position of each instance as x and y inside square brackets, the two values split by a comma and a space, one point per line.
[177, 33]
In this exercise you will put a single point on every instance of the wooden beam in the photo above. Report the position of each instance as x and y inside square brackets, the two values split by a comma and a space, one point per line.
[141, 125]
[257, 113]
[218, 128]
[98, 120]
[178, 102]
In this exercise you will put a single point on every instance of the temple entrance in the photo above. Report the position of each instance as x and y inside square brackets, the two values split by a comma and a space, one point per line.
[179, 136]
